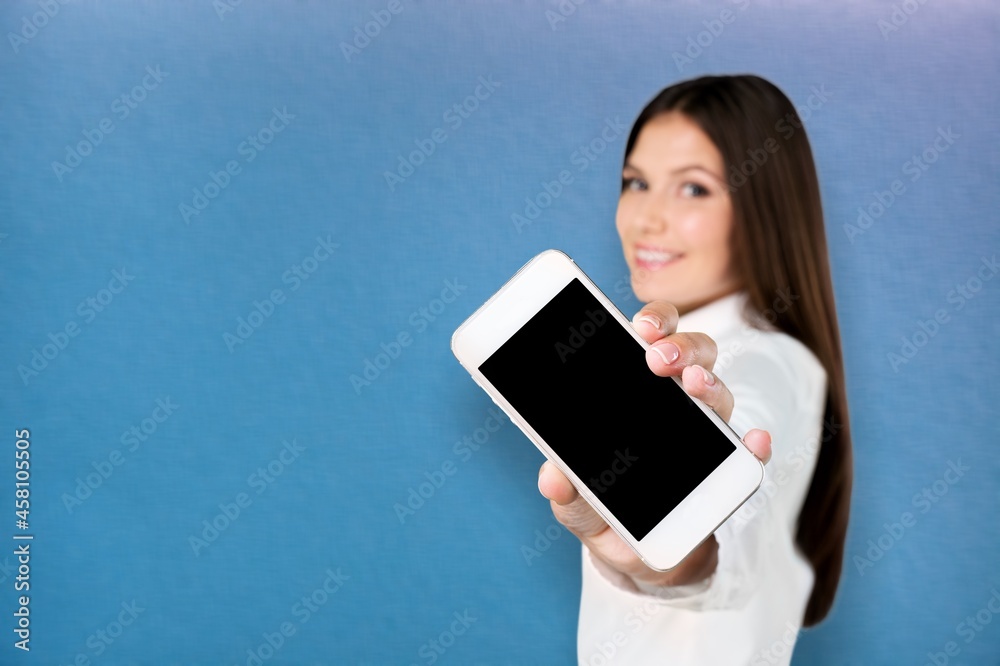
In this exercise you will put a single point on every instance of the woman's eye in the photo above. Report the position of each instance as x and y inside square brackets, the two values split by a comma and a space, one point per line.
[694, 190]
[634, 184]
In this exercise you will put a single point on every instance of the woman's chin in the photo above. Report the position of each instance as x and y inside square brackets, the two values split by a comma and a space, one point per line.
[647, 288]
[647, 292]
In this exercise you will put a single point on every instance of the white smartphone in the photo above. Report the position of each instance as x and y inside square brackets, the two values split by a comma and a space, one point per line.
[552, 351]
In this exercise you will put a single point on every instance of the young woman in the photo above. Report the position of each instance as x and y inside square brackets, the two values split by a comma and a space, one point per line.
[722, 228]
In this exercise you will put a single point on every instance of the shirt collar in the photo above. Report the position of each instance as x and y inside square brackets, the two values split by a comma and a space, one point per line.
[718, 318]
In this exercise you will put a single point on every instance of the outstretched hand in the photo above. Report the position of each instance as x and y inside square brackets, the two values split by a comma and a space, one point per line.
[691, 356]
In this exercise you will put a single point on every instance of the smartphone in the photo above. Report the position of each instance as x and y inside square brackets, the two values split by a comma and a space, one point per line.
[662, 468]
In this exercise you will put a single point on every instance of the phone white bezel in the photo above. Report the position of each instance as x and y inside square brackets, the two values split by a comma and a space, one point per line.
[700, 513]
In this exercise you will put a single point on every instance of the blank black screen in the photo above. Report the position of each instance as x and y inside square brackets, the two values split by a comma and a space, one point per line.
[581, 381]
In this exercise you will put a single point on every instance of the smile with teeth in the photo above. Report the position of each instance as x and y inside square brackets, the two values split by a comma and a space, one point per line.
[651, 259]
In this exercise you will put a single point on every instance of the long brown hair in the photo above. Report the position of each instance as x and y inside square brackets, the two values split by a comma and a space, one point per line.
[779, 243]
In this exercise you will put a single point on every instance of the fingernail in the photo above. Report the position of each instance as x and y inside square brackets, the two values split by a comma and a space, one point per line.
[667, 351]
[649, 319]
[709, 377]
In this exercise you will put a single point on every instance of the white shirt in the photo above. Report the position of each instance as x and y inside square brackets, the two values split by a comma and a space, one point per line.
[749, 611]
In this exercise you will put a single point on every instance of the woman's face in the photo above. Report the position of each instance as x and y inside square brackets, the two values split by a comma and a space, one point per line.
[675, 215]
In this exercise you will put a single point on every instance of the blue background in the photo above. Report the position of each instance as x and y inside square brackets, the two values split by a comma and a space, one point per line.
[322, 176]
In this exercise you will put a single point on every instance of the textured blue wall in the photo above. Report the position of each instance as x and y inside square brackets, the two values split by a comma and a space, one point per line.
[232, 165]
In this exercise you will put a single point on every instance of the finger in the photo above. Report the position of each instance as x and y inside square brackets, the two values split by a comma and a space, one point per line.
[554, 486]
[569, 508]
[580, 519]
[669, 356]
[655, 320]
[704, 385]
[759, 443]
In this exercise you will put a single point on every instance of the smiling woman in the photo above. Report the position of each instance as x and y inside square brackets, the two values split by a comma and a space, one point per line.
[711, 255]
[675, 215]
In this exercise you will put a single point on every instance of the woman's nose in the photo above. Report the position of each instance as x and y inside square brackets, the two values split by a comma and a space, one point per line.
[653, 213]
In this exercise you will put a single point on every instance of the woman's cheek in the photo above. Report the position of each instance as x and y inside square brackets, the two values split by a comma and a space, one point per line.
[705, 231]
[624, 216]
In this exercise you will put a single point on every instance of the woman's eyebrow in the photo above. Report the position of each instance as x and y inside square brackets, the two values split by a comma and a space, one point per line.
[698, 167]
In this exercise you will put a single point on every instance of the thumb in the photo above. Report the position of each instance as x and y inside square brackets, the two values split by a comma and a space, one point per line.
[568, 506]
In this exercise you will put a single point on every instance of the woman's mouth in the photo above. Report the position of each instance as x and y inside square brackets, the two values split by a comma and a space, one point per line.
[653, 259]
